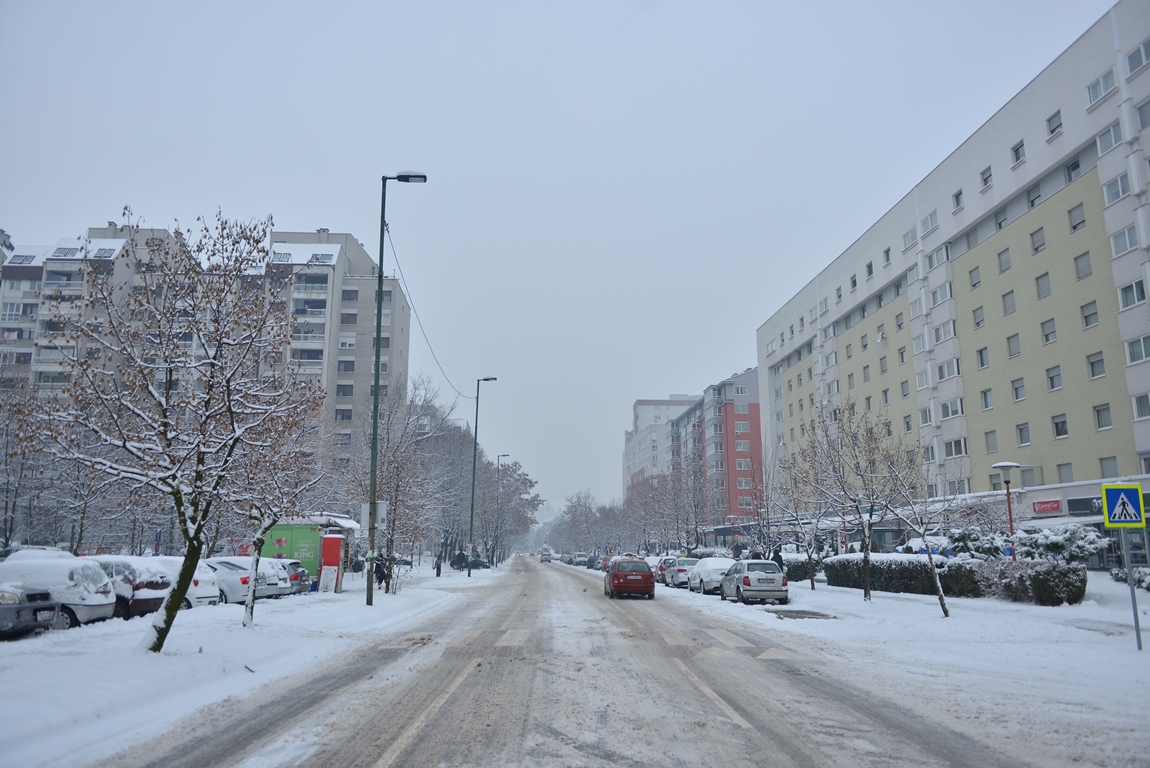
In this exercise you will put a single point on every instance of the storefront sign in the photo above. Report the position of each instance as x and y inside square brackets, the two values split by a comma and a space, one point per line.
[1048, 507]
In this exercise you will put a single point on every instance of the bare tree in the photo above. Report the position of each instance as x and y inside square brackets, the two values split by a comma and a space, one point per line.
[172, 360]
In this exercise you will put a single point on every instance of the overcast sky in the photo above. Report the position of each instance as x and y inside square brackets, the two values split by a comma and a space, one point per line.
[619, 193]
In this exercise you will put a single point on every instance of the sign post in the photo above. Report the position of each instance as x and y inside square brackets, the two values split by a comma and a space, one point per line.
[1122, 508]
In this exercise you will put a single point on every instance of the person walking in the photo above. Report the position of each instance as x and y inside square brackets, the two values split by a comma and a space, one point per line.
[438, 564]
[777, 559]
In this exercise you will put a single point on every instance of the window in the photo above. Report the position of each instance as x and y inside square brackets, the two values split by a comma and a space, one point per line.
[1073, 170]
[898, 322]
[347, 341]
[930, 221]
[863, 341]
[922, 379]
[902, 355]
[343, 414]
[952, 408]
[987, 399]
[907, 424]
[909, 238]
[925, 417]
[928, 455]
[1042, 285]
[830, 359]
[1138, 349]
[1018, 152]
[1054, 123]
[1124, 241]
[1142, 407]
[975, 277]
[1077, 216]
[1109, 139]
[1109, 466]
[386, 298]
[1048, 332]
[915, 308]
[744, 464]
[1054, 378]
[1102, 416]
[1065, 473]
[1000, 219]
[886, 397]
[740, 389]
[937, 257]
[1018, 387]
[867, 407]
[952, 448]
[742, 445]
[1117, 189]
[866, 373]
[1138, 57]
[350, 295]
[345, 366]
[854, 282]
[904, 387]
[742, 427]
[833, 387]
[870, 269]
[839, 293]
[956, 198]
[948, 370]
[1037, 240]
[850, 354]
[1008, 302]
[742, 408]
[945, 331]
[850, 381]
[743, 482]
[1131, 294]
[882, 364]
[979, 317]
[1033, 196]
[983, 357]
[1089, 314]
[986, 177]
[1100, 87]
[912, 274]
[344, 390]
[1082, 266]
[1060, 427]
[919, 343]
[940, 294]
[1013, 346]
[1096, 365]
[1023, 431]
[991, 441]
[1143, 117]
[1004, 260]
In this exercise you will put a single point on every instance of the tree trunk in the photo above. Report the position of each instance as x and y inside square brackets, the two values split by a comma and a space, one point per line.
[866, 560]
[937, 581]
[166, 616]
[257, 547]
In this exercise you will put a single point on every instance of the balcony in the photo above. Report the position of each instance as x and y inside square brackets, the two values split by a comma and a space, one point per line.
[311, 289]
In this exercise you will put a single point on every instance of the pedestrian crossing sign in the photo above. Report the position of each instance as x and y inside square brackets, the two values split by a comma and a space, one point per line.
[1122, 506]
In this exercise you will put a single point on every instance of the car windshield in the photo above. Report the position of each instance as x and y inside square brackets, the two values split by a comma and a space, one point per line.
[764, 567]
[89, 575]
[634, 567]
[229, 566]
[687, 561]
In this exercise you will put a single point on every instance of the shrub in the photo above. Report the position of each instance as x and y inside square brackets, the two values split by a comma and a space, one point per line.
[1058, 583]
[960, 578]
[1141, 576]
[798, 569]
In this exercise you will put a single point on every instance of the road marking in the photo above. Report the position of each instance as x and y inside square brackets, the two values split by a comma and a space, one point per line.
[412, 730]
[514, 614]
[729, 639]
[466, 637]
[674, 637]
[731, 713]
[776, 653]
[514, 637]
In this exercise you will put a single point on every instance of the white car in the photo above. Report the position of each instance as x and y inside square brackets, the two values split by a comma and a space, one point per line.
[204, 589]
[706, 575]
[83, 589]
[276, 580]
[232, 581]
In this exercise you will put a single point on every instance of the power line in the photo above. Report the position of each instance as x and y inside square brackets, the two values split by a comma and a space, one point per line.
[415, 312]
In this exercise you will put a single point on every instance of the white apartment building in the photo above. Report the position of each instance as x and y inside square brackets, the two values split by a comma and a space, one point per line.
[645, 446]
[998, 311]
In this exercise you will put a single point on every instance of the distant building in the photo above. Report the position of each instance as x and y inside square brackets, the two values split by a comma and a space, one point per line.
[645, 447]
[998, 312]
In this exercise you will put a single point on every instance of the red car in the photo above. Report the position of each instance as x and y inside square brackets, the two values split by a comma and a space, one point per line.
[629, 577]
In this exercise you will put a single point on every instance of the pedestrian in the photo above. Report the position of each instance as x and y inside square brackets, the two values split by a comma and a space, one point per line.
[379, 572]
[777, 558]
[438, 564]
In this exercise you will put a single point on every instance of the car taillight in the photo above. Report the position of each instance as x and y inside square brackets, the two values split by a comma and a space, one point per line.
[784, 581]
[196, 582]
[746, 581]
[244, 580]
[681, 570]
[295, 577]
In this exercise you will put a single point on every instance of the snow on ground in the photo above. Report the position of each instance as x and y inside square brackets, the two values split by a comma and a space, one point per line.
[999, 669]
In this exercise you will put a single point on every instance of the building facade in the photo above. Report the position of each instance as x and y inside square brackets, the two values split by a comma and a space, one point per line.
[998, 311]
[645, 444]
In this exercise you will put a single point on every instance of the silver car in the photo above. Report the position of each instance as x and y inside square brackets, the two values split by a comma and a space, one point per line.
[754, 581]
[676, 573]
[705, 575]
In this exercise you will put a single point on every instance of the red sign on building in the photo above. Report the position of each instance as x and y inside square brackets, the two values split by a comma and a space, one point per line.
[1048, 507]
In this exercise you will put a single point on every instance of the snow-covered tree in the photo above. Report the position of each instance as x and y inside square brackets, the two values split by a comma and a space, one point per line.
[173, 359]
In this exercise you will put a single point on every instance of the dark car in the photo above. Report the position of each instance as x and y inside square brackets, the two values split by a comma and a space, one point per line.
[299, 576]
[477, 563]
[140, 587]
[629, 577]
[25, 609]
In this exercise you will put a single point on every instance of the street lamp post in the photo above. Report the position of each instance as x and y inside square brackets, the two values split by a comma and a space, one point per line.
[407, 177]
[1005, 467]
[474, 458]
[498, 458]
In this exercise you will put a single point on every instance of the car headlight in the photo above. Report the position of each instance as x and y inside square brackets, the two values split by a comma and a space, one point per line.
[9, 598]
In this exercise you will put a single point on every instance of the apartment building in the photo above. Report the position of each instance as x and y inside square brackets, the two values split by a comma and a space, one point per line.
[716, 448]
[332, 304]
[645, 445]
[998, 311]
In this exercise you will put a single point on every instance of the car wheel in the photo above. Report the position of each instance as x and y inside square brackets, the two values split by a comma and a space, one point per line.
[740, 596]
[722, 593]
[122, 611]
[67, 618]
[652, 595]
[784, 600]
[187, 604]
[223, 598]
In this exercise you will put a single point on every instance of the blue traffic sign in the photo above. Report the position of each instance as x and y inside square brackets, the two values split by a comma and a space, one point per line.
[1122, 506]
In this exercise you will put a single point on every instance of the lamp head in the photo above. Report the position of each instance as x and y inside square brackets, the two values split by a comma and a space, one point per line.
[489, 378]
[411, 177]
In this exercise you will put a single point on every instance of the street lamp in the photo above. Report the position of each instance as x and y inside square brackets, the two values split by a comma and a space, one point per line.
[407, 177]
[497, 460]
[474, 458]
[1005, 467]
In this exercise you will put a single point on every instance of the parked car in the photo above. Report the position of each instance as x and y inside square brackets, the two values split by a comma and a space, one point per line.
[267, 576]
[34, 547]
[706, 574]
[661, 569]
[629, 576]
[478, 563]
[580, 559]
[298, 576]
[140, 586]
[83, 589]
[592, 562]
[754, 580]
[26, 609]
[234, 581]
[676, 573]
[204, 589]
